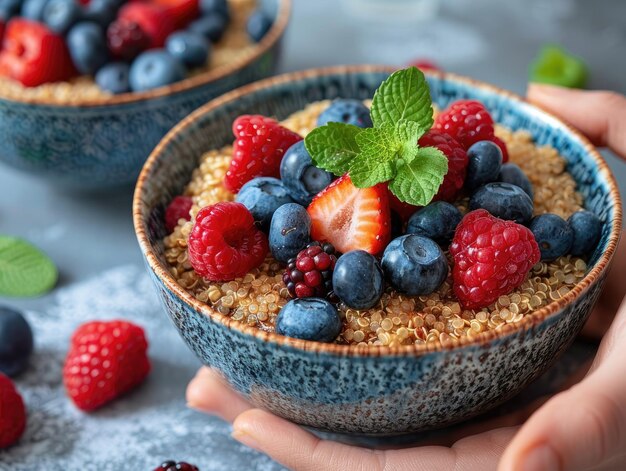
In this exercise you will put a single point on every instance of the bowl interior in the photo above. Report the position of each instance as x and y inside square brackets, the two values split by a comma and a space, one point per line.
[170, 166]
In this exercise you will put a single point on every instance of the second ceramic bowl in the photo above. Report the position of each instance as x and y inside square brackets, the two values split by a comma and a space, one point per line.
[380, 391]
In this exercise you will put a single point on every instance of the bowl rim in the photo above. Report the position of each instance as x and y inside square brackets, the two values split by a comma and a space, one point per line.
[204, 78]
[529, 321]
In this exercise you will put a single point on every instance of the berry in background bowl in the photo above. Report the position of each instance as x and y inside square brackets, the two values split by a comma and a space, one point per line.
[463, 307]
[88, 90]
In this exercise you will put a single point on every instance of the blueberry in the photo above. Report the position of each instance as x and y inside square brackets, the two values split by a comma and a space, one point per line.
[553, 235]
[61, 15]
[301, 176]
[88, 47]
[483, 166]
[505, 201]
[511, 173]
[414, 265]
[263, 196]
[16, 342]
[155, 68]
[436, 221]
[33, 9]
[113, 78]
[587, 229]
[309, 319]
[190, 48]
[102, 12]
[208, 7]
[9, 8]
[290, 231]
[211, 26]
[258, 25]
[346, 111]
[358, 280]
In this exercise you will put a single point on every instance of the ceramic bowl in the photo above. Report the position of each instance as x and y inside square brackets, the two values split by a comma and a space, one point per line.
[359, 390]
[103, 144]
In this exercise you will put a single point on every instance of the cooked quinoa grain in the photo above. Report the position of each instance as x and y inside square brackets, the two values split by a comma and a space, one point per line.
[234, 45]
[437, 318]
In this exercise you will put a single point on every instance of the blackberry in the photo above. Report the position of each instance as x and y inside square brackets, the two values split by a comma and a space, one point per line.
[172, 465]
[310, 273]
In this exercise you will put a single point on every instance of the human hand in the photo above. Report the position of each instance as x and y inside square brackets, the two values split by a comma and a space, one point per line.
[583, 428]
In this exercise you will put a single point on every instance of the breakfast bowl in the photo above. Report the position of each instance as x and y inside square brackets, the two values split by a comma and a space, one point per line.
[359, 389]
[92, 141]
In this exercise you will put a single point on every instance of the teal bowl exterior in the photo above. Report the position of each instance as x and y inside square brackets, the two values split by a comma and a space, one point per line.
[349, 389]
[105, 144]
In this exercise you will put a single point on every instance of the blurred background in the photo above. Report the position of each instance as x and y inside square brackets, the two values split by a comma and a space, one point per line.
[90, 236]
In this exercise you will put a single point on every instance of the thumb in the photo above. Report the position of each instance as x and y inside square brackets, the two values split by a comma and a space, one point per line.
[600, 115]
[584, 426]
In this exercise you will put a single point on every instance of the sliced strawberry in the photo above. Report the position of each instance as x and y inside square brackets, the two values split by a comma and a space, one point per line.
[153, 19]
[182, 12]
[34, 55]
[351, 218]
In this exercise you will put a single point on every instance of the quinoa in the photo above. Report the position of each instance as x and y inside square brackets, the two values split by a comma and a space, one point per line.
[437, 318]
[234, 45]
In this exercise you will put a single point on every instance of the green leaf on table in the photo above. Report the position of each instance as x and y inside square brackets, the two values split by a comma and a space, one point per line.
[333, 146]
[404, 95]
[418, 181]
[24, 270]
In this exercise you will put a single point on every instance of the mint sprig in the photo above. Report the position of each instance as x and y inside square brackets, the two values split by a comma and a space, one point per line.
[388, 152]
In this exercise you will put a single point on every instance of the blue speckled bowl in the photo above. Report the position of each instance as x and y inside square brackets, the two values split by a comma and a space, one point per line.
[370, 391]
[105, 143]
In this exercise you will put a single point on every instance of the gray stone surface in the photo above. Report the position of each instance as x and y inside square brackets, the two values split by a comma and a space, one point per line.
[90, 236]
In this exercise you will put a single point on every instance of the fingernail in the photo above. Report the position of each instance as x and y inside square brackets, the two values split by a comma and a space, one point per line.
[540, 458]
[244, 437]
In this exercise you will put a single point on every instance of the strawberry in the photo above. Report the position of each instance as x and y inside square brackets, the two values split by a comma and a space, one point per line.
[351, 218]
[153, 19]
[259, 146]
[34, 55]
[12, 413]
[105, 360]
[182, 12]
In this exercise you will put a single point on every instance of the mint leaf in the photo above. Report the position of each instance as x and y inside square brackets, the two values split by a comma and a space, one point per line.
[333, 146]
[376, 161]
[24, 269]
[404, 95]
[417, 182]
[408, 133]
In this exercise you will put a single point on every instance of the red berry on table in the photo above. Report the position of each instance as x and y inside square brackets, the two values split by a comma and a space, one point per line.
[467, 121]
[34, 55]
[12, 413]
[502, 145]
[491, 258]
[224, 243]
[425, 64]
[259, 146]
[351, 218]
[105, 360]
[182, 12]
[457, 162]
[311, 272]
[178, 209]
[171, 465]
[153, 19]
[126, 39]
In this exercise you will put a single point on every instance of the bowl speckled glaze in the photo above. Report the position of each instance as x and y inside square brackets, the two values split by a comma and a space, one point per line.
[359, 390]
[103, 144]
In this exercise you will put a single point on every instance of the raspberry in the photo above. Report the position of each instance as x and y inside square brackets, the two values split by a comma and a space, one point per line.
[178, 209]
[126, 39]
[502, 145]
[491, 258]
[457, 162]
[260, 144]
[105, 360]
[224, 243]
[467, 121]
[311, 272]
[12, 413]
[171, 465]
